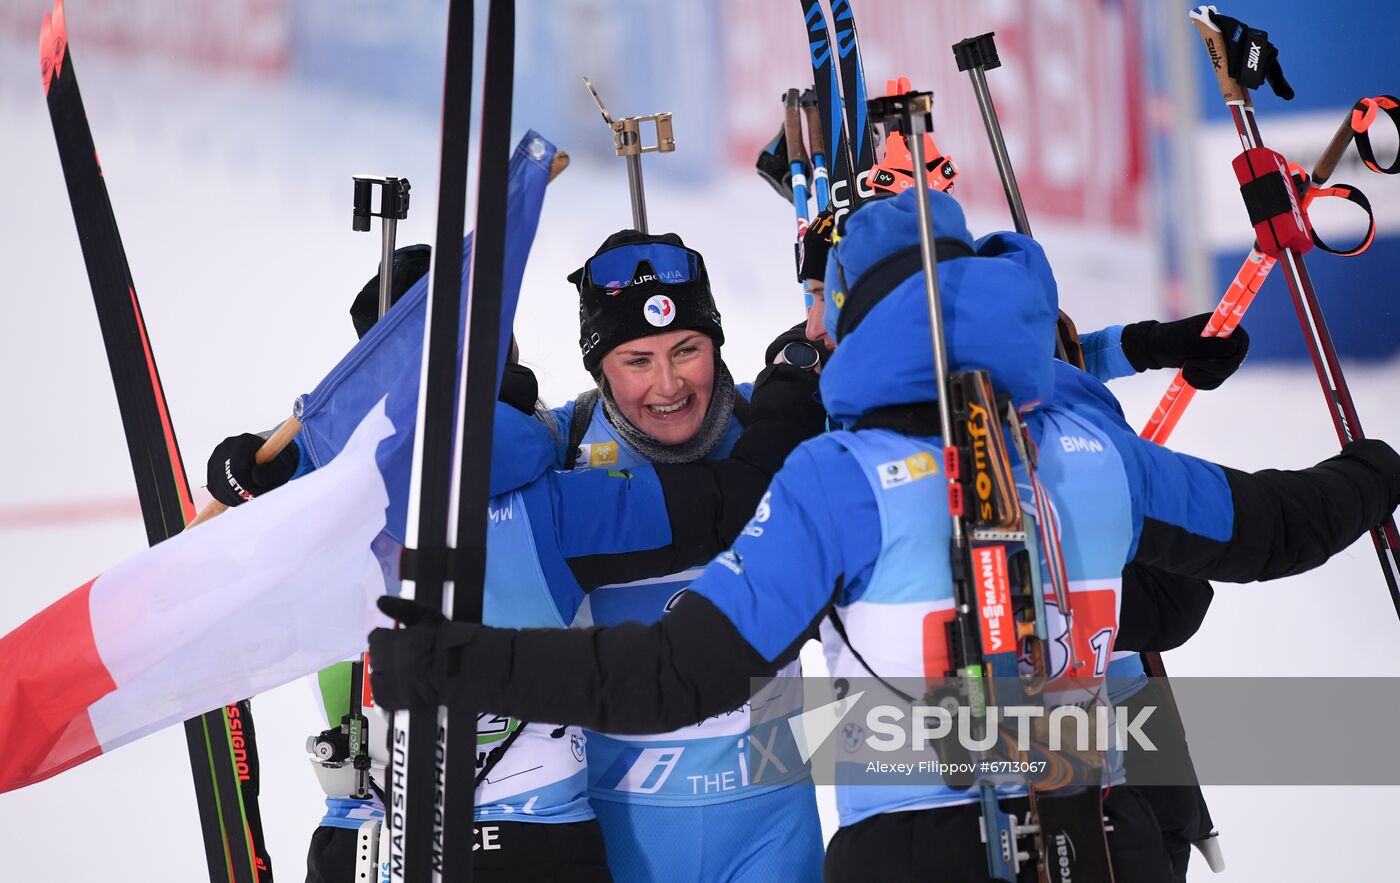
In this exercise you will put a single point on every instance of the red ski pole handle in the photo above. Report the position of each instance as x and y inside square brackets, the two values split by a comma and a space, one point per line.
[1223, 322]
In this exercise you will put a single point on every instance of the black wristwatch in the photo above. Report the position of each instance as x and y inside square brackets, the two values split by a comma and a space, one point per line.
[802, 353]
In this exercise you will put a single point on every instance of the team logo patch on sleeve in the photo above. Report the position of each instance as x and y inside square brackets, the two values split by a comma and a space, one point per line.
[901, 472]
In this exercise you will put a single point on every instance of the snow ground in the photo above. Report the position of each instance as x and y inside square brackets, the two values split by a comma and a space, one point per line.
[234, 201]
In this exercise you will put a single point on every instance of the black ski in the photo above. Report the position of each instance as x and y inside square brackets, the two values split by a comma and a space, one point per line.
[223, 756]
[828, 89]
[860, 135]
[433, 754]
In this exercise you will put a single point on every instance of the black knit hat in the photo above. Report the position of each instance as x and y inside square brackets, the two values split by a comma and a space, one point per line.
[608, 317]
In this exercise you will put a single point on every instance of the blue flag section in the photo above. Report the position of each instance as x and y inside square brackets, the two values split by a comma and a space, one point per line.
[388, 361]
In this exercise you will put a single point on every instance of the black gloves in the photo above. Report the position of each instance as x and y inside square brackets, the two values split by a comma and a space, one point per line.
[519, 389]
[410, 264]
[773, 165]
[1249, 56]
[1382, 460]
[235, 478]
[783, 412]
[402, 660]
[1206, 361]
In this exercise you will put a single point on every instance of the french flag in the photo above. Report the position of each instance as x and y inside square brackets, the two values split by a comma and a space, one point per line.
[270, 591]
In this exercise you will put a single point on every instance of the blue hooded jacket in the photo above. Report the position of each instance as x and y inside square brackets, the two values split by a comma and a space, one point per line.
[999, 312]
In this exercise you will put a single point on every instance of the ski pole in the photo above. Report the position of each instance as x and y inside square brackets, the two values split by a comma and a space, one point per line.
[797, 158]
[976, 56]
[911, 114]
[627, 139]
[816, 145]
[1324, 354]
[1257, 266]
[393, 207]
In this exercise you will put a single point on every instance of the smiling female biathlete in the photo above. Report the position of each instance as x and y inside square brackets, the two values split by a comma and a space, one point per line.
[675, 806]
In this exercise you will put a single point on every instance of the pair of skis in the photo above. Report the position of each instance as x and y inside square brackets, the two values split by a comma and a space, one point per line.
[839, 79]
[433, 753]
[221, 744]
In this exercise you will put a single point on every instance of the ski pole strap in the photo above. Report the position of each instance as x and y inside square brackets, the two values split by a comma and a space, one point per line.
[772, 165]
[1272, 202]
[1352, 195]
[886, 276]
[1362, 116]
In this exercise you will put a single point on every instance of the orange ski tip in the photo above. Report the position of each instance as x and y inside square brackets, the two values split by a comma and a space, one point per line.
[60, 38]
[46, 44]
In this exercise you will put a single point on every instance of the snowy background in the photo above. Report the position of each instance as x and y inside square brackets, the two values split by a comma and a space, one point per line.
[231, 186]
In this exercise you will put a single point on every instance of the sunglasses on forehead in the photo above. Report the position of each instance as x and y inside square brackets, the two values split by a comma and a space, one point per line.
[642, 262]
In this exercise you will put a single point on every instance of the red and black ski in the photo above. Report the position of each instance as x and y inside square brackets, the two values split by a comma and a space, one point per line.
[223, 756]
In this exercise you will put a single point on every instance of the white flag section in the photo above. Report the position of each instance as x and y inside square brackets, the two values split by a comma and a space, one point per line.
[273, 590]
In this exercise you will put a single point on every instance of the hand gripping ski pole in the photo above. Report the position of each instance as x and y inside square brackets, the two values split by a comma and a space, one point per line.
[627, 139]
[976, 56]
[1256, 60]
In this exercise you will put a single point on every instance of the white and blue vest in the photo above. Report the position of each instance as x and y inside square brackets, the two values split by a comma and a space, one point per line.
[895, 618]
